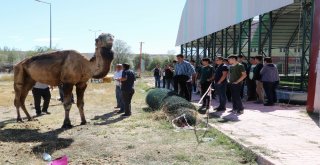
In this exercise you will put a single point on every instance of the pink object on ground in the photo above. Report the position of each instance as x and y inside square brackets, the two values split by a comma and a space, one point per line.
[60, 161]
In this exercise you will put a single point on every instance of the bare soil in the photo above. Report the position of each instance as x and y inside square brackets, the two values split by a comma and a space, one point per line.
[143, 138]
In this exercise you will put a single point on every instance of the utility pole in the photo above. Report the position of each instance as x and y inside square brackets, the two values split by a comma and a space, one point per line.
[140, 66]
[50, 20]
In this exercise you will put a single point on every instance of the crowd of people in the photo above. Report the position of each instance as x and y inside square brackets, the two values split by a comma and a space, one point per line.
[227, 76]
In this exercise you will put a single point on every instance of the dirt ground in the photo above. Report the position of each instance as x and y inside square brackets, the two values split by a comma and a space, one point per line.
[144, 138]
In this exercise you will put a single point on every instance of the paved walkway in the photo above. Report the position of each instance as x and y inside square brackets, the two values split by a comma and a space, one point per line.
[282, 134]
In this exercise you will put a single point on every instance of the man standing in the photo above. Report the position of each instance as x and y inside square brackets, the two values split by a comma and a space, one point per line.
[251, 84]
[220, 80]
[163, 73]
[241, 60]
[237, 75]
[127, 90]
[157, 75]
[169, 76]
[117, 76]
[206, 78]
[270, 78]
[41, 90]
[257, 78]
[183, 76]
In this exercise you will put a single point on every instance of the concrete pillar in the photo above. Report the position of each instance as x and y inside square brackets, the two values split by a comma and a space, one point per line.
[313, 101]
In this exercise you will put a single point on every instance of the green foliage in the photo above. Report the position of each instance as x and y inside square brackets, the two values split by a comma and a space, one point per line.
[173, 105]
[176, 106]
[42, 49]
[155, 97]
[144, 57]
[154, 63]
[167, 61]
[12, 56]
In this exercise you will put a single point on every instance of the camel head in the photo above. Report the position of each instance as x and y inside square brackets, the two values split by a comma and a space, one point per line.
[103, 55]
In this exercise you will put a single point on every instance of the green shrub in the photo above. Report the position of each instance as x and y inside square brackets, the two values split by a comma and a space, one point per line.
[155, 97]
[171, 104]
[175, 102]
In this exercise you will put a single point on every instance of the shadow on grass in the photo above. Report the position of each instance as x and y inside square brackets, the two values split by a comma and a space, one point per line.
[49, 140]
[148, 109]
[107, 119]
[4, 123]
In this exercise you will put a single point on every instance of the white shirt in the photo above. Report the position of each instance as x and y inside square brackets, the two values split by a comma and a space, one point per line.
[117, 75]
[251, 72]
[40, 86]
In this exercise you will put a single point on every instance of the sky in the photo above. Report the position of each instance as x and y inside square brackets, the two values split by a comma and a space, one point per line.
[25, 24]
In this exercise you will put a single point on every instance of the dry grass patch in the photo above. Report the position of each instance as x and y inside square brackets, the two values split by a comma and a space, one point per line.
[143, 138]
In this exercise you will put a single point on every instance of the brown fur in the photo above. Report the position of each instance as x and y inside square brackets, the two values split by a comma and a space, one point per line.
[68, 67]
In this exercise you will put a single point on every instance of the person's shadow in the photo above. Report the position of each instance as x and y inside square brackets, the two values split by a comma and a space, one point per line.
[105, 119]
[231, 117]
[50, 141]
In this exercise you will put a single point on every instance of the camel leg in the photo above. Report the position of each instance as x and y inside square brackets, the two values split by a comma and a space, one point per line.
[80, 88]
[67, 92]
[17, 103]
[24, 93]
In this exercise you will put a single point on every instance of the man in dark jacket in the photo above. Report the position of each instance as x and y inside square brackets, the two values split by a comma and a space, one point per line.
[251, 83]
[127, 89]
[206, 78]
[241, 60]
[257, 78]
[270, 78]
[157, 76]
[220, 79]
[169, 76]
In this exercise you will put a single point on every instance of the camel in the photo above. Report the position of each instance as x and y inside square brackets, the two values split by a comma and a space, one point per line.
[67, 67]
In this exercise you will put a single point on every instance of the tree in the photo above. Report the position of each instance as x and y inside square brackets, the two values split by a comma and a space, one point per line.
[121, 52]
[144, 57]
[42, 49]
[168, 60]
[153, 64]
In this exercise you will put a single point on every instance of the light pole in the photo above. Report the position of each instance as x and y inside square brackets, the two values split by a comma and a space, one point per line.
[50, 21]
[140, 61]
[95, 32]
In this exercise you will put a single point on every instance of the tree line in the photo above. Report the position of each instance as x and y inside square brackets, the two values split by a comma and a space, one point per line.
[122, 54]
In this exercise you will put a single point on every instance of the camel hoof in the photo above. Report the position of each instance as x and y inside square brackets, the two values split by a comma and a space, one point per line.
[83, 123]
[19, 120]
[66, 126]
[32, 119]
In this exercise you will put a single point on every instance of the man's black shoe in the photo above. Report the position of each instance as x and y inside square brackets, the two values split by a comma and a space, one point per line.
[39, 114]
[46, 112]
[221, 109]
[268, 104]
[240, 112]
[125, 115]
[119, 112]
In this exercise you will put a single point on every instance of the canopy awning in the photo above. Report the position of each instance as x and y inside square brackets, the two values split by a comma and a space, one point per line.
[203, 17]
